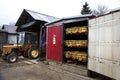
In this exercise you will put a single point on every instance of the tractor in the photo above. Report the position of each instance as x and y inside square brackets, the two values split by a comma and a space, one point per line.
[26, 45]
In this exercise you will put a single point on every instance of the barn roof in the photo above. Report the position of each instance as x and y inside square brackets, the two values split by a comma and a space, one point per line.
[42, 17]
[30, 20]
[35, 15]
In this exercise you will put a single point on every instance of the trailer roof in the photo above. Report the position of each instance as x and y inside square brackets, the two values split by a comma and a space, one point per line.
[115, 10]
[79, 17]
[109, 12]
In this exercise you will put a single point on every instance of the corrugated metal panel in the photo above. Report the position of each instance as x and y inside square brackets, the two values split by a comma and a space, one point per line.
[104, 45]
[54, 43]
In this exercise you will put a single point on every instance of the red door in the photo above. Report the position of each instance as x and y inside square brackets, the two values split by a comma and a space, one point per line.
[54, 43]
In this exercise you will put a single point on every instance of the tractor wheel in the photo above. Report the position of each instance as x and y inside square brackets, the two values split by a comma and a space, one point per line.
[33, 53]
[12, 57]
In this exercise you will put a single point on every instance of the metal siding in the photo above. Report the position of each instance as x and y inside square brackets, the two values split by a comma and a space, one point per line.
[54, 43]
[104, 45]
[116, 37]
[93, 41]
[116, 15]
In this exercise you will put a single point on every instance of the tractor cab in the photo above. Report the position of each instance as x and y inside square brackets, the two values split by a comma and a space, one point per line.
[25, 44]
[29, 38]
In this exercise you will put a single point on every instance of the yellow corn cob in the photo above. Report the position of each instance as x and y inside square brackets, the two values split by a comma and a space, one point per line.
[76, 55]
[75, 30]
[76, 43]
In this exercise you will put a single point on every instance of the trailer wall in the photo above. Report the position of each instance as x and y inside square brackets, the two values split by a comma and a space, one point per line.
[104, 45]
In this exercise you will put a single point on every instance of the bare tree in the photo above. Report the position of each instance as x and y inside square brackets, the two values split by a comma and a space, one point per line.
[101, 9]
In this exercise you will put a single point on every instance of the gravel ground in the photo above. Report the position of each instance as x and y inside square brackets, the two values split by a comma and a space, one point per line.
[26, 69]
[4, 64]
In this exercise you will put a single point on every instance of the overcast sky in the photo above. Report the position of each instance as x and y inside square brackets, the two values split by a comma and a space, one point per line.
[10, 10]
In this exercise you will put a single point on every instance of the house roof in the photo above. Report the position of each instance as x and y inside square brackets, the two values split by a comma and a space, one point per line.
[9, 28]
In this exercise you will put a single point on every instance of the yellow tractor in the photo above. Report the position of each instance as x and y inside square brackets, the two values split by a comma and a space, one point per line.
[26, 45]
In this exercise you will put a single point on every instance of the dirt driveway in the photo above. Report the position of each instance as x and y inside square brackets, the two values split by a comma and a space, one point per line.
[26, 69]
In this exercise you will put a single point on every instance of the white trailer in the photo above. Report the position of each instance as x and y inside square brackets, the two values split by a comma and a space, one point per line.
[104, 45]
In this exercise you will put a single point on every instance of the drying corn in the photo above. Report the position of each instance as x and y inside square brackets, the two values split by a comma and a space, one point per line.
[76, 55]
[76, 43]
[77, 30]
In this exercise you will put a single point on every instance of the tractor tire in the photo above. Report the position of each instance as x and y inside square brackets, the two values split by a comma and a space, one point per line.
[33, 53]
[12, 57]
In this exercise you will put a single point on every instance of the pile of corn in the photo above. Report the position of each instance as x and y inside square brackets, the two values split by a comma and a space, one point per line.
[76, 43]
[76, 55]
[77, 30]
